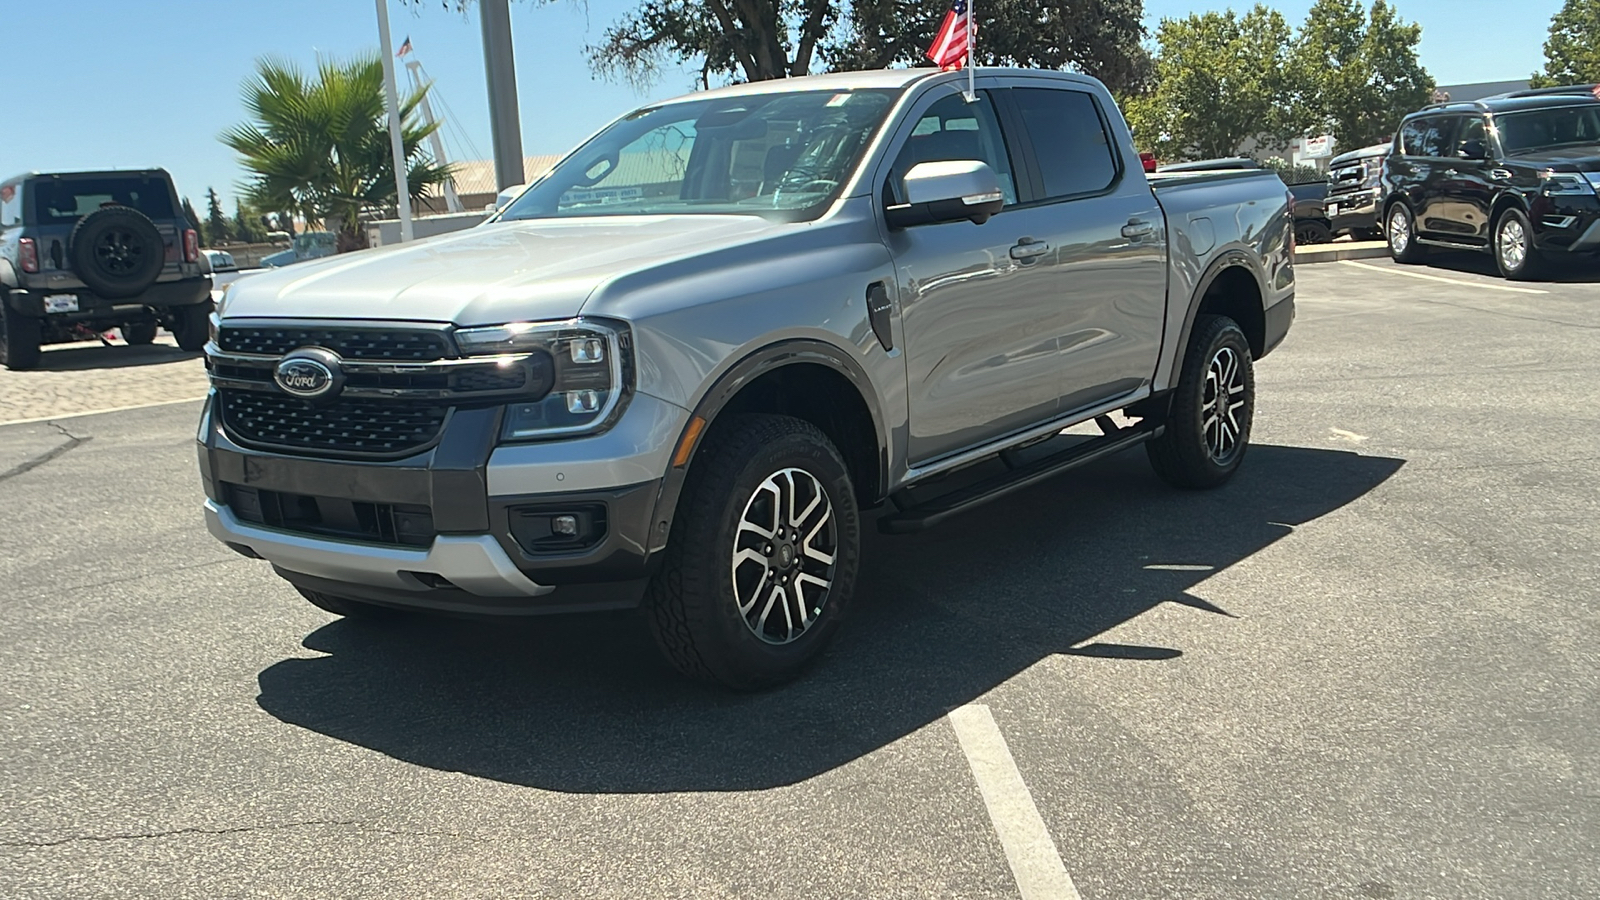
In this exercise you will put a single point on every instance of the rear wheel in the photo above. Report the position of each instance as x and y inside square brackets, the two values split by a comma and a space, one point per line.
[191, 325]
[138, 333]
[344, 606]
[762, 559]
[1514, 252]
[1312, 232]
[19, 338]
[1208, 425]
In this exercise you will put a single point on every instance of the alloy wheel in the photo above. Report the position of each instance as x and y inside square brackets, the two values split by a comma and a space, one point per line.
[784, 554]
[118, 252]
[1513, 243]
[1221, 403]
[1399, 230]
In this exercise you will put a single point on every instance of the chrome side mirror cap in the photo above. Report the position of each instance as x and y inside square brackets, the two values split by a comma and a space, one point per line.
[948, 191]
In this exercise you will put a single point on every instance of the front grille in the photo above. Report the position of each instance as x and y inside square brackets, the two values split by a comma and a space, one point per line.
[349, 343]
[355, 426]
[380, 523]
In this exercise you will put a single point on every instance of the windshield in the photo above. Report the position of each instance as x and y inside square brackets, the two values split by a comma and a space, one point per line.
[780, 156]
[1545, 128]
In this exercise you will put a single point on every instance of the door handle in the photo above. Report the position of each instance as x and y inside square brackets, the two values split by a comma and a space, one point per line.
[1028, 249]
[1137, 228]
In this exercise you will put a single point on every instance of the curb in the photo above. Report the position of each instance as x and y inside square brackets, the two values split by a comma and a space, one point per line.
[1321, 253]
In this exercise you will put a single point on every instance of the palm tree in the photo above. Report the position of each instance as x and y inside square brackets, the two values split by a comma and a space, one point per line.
[320, 148]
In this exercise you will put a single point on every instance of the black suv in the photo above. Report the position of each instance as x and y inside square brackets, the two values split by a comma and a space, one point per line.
[1512, 175]
[83, 252]
[1354, 189]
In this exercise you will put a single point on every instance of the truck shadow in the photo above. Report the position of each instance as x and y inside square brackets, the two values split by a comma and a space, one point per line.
[85, 356]
[581, 704]
[1582, 270]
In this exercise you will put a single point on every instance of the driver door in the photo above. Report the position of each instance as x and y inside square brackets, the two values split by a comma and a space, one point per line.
[977, 364]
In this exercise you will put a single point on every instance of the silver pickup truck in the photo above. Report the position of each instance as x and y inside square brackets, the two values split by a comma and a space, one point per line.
[677, 371]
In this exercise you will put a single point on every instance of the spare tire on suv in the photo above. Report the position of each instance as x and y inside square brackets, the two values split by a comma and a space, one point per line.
[116, 251]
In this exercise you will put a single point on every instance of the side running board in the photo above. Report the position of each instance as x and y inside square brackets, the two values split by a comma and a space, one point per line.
[911, 517]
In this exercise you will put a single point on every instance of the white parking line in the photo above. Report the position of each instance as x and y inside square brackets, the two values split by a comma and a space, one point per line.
[1456, 281]
[1030, 852]
[96, 412]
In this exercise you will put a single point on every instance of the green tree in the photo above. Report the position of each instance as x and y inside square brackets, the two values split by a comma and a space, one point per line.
[1102, 38]
[1572, 52]
[1356, 73]
[217, 228]
[1220, 80]
[319, 147]
[244, 227]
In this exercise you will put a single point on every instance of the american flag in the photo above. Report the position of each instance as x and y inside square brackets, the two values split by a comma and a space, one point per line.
[952, 45]
[405, 47]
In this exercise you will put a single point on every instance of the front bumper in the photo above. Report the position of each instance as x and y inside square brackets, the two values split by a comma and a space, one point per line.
[1566, 224]
[1354, 211]
[455, 527]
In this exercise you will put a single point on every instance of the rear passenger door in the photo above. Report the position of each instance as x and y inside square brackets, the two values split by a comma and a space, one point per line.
[1422, 172]
[1104, 282]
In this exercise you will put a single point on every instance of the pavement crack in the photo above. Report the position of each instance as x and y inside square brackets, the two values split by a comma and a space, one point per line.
[241, 829]
[73, 442]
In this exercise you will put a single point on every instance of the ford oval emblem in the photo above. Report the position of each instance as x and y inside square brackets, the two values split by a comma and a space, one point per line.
[304, 377]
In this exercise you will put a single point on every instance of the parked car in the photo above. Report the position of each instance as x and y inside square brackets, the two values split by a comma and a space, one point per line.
[1354, 191]
[1311, 225]
[674, 374]
[84, 252]
[305, 246]
[1513, 176]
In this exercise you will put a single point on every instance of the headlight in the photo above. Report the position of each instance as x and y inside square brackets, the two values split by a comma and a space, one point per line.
[1567, 183]
[591, 365]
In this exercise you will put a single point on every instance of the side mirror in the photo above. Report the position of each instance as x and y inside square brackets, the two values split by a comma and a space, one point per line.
[948, 191]
[507, 195]
[1473, 150]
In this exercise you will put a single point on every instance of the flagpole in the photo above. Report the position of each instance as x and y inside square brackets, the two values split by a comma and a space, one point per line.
[972, 64]
[402, 196]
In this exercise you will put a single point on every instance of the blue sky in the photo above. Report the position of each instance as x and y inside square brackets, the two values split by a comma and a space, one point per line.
[138, 84]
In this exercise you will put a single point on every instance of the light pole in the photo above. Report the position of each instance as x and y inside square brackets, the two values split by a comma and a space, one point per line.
[504, 124]
[402, 195]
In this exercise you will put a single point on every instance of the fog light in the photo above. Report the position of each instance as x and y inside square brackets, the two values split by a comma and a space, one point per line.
[564, 525]
[583, 402]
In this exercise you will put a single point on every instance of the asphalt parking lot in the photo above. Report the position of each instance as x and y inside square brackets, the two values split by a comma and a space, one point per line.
[1367, 668]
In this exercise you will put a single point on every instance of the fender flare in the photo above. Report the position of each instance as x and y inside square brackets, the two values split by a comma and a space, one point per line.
[1226, 260]
[727, 386]
[8, 275]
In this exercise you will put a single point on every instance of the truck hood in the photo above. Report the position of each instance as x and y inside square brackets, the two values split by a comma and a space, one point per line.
[494, 273]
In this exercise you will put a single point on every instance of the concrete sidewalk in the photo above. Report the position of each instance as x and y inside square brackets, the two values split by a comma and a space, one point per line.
[1338, 250]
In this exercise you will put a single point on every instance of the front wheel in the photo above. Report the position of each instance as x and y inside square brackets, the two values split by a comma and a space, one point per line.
[1514, 251]
[1401, 229]
[1311, 231]
[761, 562]
[191, 325]
[1208, 425]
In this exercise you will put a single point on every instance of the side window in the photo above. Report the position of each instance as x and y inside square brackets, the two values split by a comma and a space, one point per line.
[1411, 138]
[1435, 136]
[1472, 131]
[1069, 139]
[954, 129]
[10, 205]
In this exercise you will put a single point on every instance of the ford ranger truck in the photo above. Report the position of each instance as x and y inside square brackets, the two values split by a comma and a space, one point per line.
[678, 371]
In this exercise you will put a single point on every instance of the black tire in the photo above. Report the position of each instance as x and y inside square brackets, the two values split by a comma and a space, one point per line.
[137, 334]
[1187, 453]
[117, 252]
[19, 338]
[191, 325]
[1530, 264]
[694, 601]
[1400, 229]
[1310, 231]
[344, 606]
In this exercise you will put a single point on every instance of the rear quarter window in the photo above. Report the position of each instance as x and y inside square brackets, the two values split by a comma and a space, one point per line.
[10, 205]
[64, 201]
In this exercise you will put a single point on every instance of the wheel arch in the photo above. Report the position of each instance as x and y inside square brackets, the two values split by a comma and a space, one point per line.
[1506, 200]
[1235, 287]
[808, 379]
